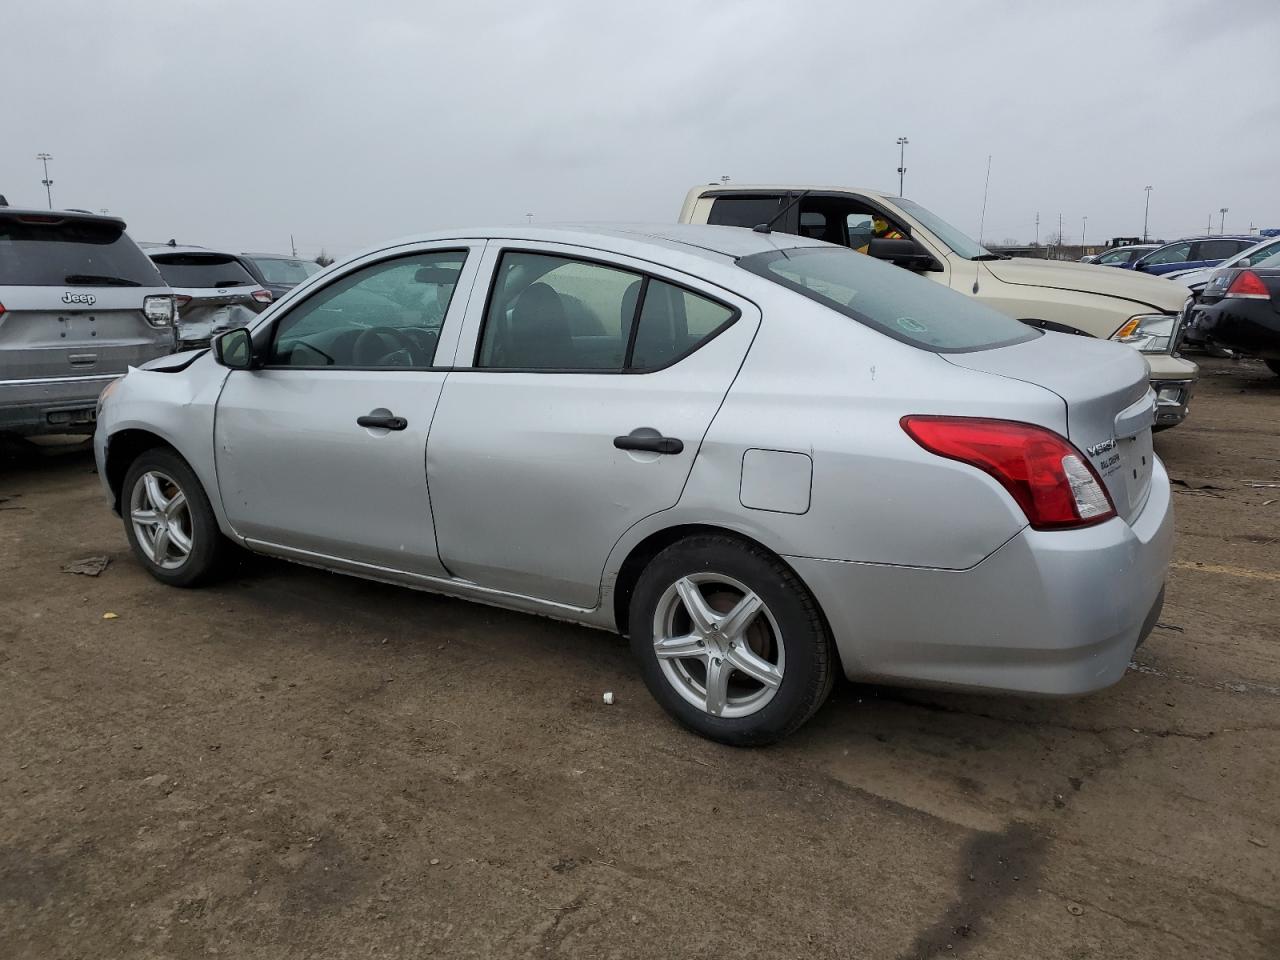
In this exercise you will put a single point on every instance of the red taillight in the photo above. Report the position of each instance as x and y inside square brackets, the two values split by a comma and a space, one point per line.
[262, 296]
[1248, 285]
[1, 308]
[180, 300]
[1052, 481]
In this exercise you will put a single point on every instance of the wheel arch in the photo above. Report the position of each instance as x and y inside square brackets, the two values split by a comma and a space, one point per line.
[650, 546]
[124, 447]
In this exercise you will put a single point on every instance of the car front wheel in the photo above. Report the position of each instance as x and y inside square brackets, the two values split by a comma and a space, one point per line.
[168, 520]
[730, 641]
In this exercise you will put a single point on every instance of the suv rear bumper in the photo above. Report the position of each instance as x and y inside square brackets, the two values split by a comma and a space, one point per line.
[1050, 612]
[50, 405]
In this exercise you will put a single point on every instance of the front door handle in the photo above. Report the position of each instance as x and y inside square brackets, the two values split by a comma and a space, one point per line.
[650, 444]
[382, 419]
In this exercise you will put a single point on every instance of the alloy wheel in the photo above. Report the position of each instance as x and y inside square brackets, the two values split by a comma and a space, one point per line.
[718, 645]
[161, 519]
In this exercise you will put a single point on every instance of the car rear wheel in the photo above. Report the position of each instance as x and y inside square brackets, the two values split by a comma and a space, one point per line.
[730, 641]
[169, 522]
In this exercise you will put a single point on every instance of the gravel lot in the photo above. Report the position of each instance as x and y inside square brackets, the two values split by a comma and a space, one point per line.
[294, 764]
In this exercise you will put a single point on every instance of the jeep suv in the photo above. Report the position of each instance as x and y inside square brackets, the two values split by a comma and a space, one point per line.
[79, 305]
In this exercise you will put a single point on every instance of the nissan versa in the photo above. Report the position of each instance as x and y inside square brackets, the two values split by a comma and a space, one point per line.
[764, 458]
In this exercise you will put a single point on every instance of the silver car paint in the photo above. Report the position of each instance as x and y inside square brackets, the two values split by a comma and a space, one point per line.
[887, 522]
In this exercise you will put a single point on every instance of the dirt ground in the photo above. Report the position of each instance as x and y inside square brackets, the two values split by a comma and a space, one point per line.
[295, 764]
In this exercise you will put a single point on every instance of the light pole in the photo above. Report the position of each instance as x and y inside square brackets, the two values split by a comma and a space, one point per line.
[902, 162]
[44, 158]
[529, 217]
[1222, 223]
[1145, 211]
[1084, 223]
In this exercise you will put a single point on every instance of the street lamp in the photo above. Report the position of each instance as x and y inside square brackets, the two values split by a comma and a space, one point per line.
[1084, 222]
[902, 162]
[1222, 223]
[44, 158]
[1145, 211]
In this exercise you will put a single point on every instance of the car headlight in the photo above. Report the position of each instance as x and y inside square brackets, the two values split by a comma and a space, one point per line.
[1148, 332]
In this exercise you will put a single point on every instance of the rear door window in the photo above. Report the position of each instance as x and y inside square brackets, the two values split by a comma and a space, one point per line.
[907, 308]
[556, 313]
[202, 270]
[54, 251]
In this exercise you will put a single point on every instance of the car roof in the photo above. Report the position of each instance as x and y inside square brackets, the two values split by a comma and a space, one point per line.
[713, 242]
[792, 188]
[1213, 236]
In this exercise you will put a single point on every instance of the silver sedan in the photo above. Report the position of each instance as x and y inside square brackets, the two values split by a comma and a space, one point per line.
[763, 458]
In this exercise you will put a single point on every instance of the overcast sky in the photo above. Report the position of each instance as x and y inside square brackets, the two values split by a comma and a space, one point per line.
[234, 123]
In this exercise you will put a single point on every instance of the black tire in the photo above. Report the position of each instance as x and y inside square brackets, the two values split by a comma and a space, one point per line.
[1273, 366]
[209, 548]
[810, 659]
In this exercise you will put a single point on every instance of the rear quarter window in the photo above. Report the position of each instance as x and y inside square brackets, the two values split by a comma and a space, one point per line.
[55, 252]
[890, 300]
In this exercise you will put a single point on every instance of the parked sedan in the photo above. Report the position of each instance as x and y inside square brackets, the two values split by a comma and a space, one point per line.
[1239, 310]
[213, 291]
[1191, 253]
[277, 272]
[764, 458]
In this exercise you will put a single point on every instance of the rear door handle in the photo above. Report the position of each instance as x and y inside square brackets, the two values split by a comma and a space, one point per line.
[651, 444]
[384, 420]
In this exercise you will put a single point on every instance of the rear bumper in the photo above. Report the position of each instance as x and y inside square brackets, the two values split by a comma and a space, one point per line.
[50, 405]
[1250, 327]
[1050, 612]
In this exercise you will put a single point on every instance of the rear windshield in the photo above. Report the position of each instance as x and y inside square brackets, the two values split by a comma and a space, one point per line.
[202, 270]
[899, 304]
[279, 270]
[35, 252]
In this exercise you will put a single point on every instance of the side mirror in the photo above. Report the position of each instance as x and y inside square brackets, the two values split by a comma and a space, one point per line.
[904, 253]
[234, 349]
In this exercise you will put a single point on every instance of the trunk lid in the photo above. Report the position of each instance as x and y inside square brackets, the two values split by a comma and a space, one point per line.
[102, 333]
[1109, 402]
[210, 312]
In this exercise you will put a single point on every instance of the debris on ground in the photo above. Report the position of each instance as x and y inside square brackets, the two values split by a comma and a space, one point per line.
[608, 698]
[1075, 909]
[1195, 483]
[110, 616]
[87, 566]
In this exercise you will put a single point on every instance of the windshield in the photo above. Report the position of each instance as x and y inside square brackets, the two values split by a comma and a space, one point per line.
[52, 251]
[1257, 254]
[898, 304]
[1272, 262]
[961, 244]
[202, 270]
[281, 270]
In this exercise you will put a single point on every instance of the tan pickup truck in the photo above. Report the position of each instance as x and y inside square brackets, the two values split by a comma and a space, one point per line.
[1139, 310]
